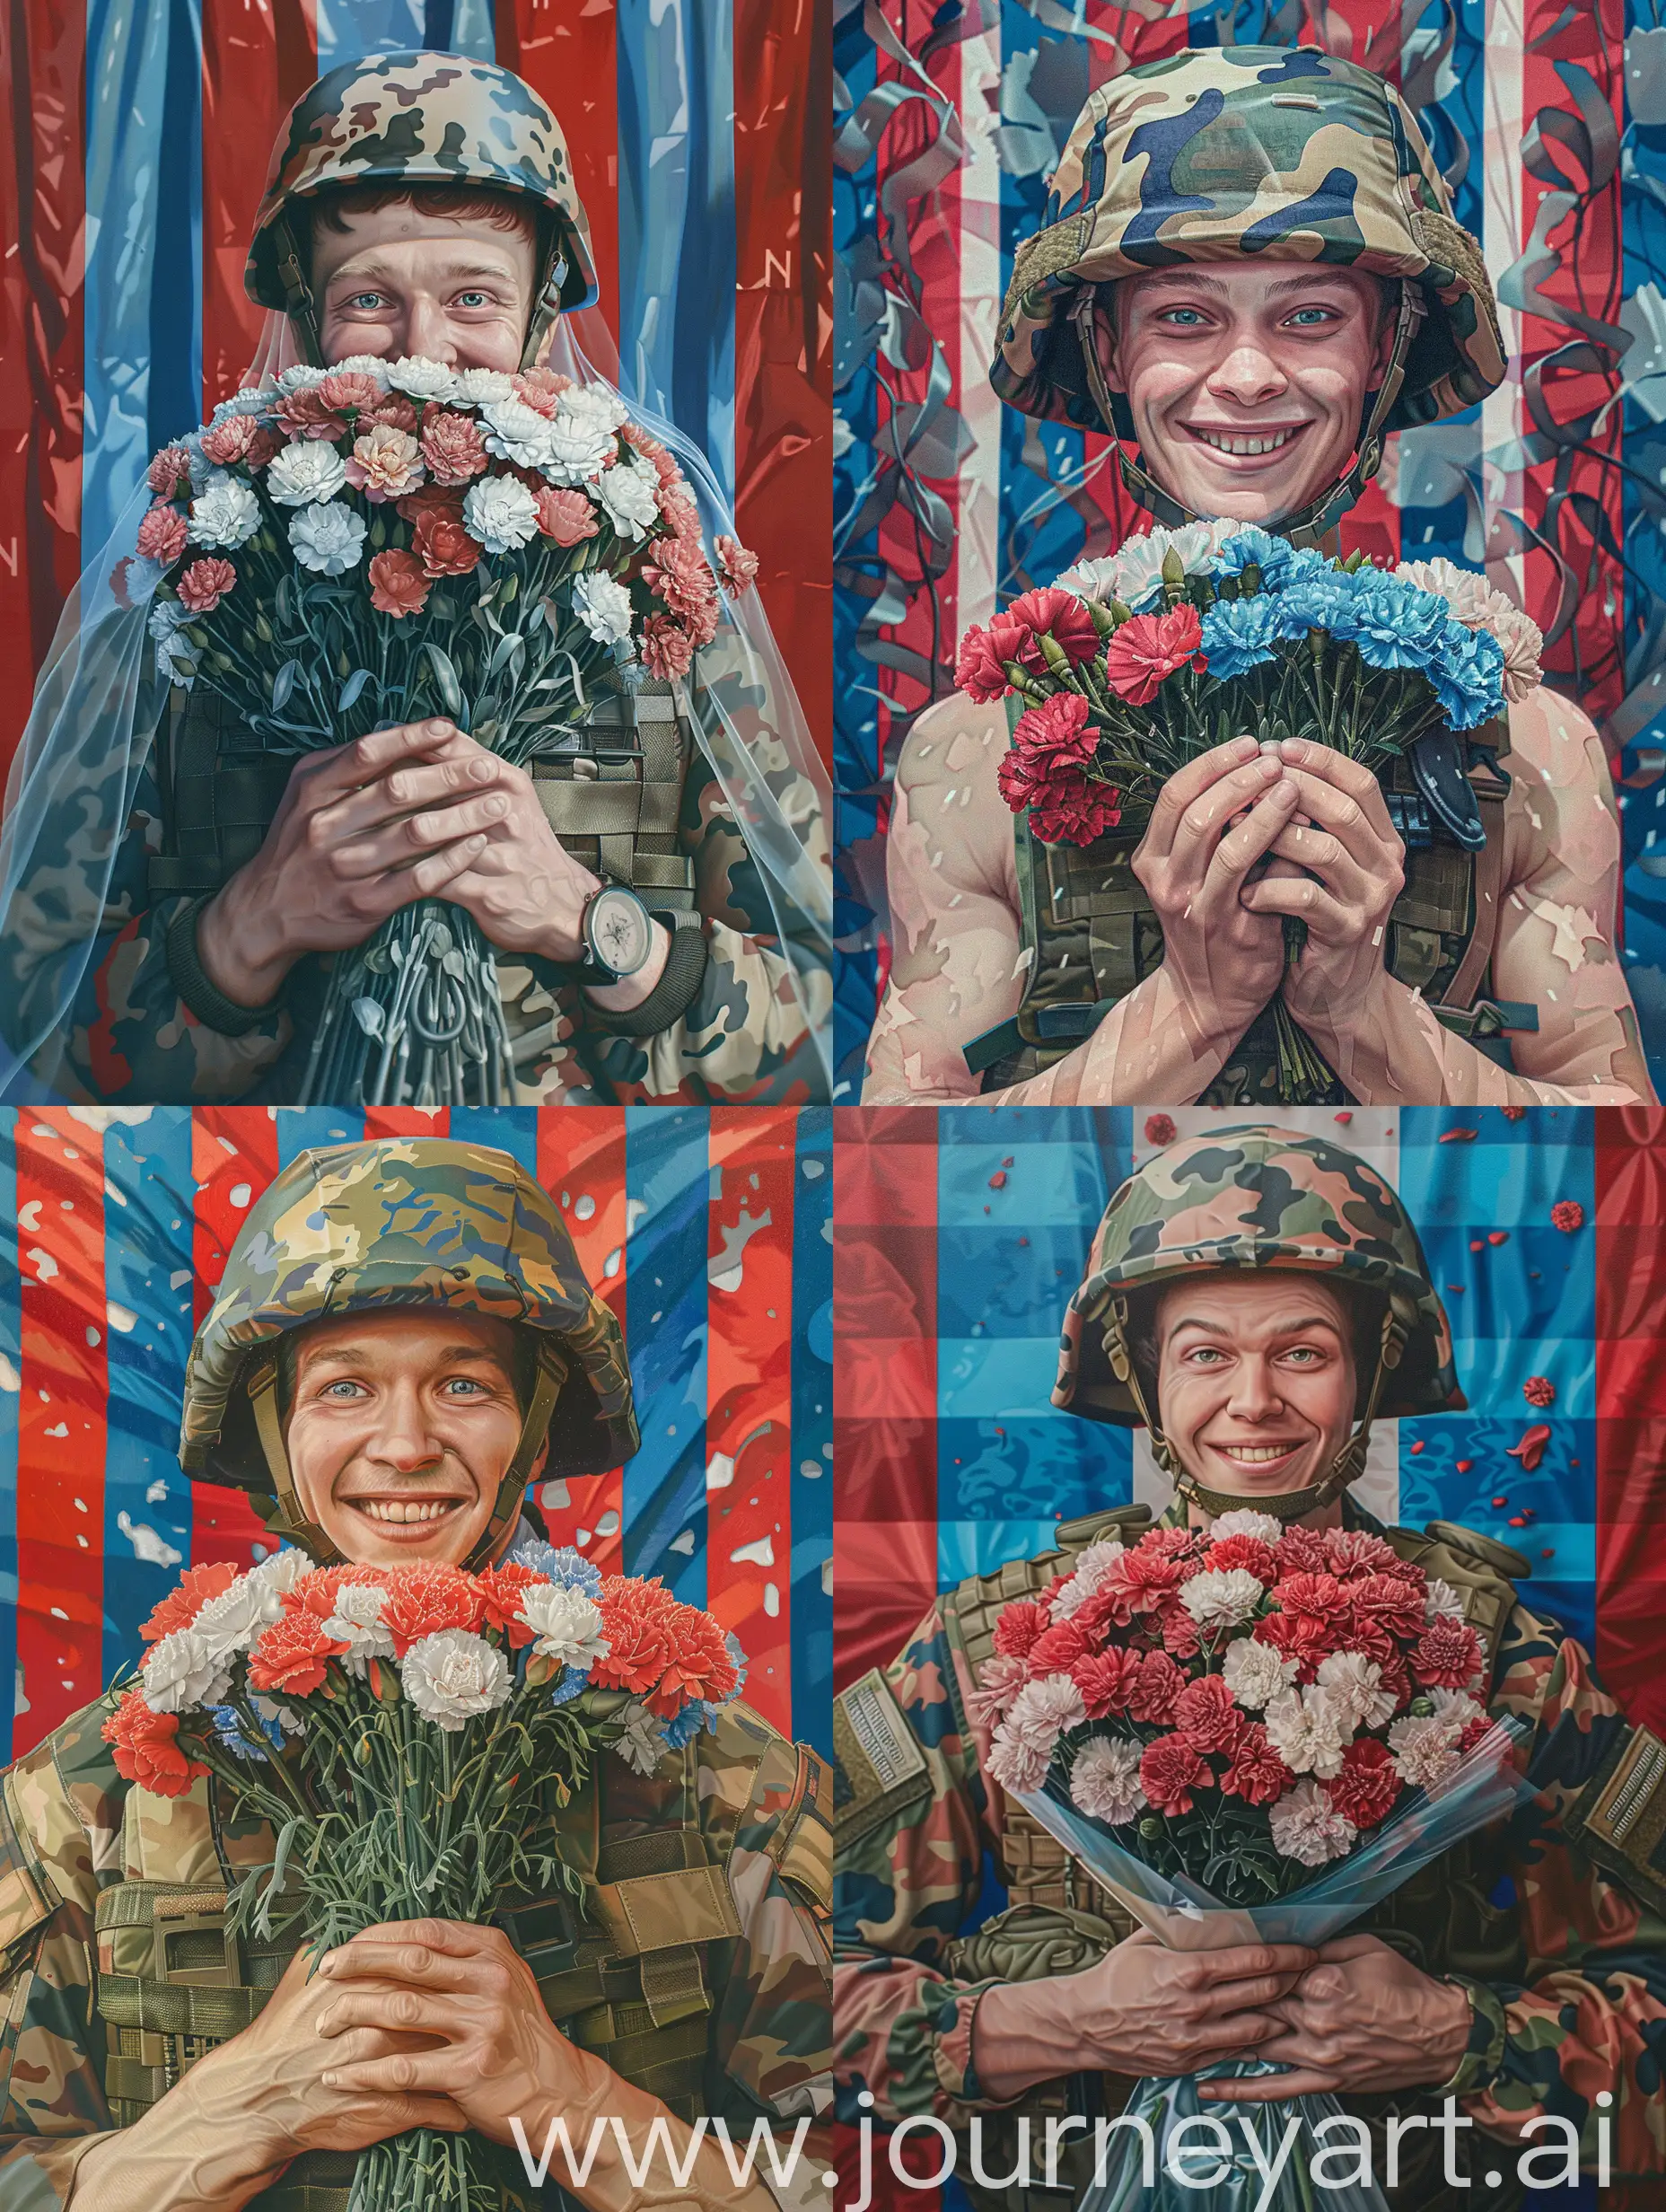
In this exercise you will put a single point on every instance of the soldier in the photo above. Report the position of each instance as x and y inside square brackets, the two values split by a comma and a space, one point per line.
[424, 204]
[1254, 1299]
[1249, 274]
[403, 1338]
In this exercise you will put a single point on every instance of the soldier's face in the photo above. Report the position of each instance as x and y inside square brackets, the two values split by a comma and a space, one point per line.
[402, 1427]
[1256, 1381]
[1246, 382]
[398, 280]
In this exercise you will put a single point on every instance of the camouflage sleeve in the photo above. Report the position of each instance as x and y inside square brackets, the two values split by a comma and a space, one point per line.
[1592, 1913]
[746, 1037]
[132, 1036]
[766, 1804]
[59, 1832]
[912, 1827]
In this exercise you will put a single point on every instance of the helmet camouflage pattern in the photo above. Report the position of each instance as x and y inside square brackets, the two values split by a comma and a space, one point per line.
[1255, 1198]
[1284, 153]
[422, 118]
[404, 1223]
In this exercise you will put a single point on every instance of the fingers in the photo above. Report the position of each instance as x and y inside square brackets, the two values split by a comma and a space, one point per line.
[1317, 851]
[394, 2010]
[1206, 817]
[1269, 2088]
[408, 1949]
[372, 756]
[1326, 775]
[1239, 849]
[442, 870]
[1252, 1961]
[1329, 920]
[1264, 1989]
[404, 2073]
[419, 834]
[1192, 781]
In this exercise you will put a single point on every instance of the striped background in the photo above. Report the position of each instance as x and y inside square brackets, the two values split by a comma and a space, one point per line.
[964, 1232]
[707, 1232]
[139, 132]
[946, 124]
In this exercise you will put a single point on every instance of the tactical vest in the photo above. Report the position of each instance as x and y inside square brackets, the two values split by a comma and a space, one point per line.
[611, 788]
[628, 1974]
[1091, 936]
[1060, 1921]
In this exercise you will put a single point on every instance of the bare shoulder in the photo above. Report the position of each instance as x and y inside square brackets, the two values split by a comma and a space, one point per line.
[946, 781]
[1554, 741]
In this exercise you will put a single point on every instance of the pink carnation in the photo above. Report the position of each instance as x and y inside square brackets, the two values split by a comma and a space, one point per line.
[667, 649]
[384, 463]
[1206, 1716]
[162, 536]
[171, 466]
[1448, 1654]
[349, 389]
[230, 440]
[737, 566]
[453, 449]
[205, 585]
[564, 514]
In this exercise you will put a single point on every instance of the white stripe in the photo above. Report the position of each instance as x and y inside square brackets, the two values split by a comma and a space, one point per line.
[1501, 243]
[977, 547]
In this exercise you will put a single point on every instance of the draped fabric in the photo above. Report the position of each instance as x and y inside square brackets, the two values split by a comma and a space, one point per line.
[705, 1232]
[947, 122]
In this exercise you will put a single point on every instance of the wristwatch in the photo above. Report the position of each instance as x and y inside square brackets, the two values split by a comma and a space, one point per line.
[617, 933]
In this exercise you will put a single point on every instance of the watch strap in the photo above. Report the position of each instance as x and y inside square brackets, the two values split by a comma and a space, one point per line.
[203, 998]
[675, 992]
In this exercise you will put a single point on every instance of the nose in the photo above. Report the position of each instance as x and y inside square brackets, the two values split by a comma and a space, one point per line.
[1254, 1396]
[403, 1444]
[1248, 376]
[428, 329]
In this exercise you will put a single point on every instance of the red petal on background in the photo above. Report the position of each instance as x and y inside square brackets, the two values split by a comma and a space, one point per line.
[1532, 1448]
[1460, 1137]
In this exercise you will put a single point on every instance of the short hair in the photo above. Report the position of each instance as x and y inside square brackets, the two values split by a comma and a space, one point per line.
[504, 211]
[1361, 1307]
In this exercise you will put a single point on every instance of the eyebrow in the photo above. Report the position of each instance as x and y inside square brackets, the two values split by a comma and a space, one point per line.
[1175, 279]
[348, 1355]
[1216, 1329]
[381, 272]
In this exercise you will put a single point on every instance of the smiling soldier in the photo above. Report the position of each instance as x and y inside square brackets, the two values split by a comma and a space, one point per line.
[1255, 1300]
[1248, 274]
[402, 1340]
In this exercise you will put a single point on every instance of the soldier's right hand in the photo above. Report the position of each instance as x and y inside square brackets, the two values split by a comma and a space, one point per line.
[1213, 822]
[361, 830]
[1143, 2009]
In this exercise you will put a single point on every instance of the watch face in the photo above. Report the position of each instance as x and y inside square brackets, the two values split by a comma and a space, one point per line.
[619, 931]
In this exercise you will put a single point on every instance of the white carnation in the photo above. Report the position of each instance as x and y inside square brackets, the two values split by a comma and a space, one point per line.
[1222, 1598]
[597, 402]
[602, 605]
[452, 1675]
[362, 364]
[566, 1625]
[229, 1623]
[581, 444]
[475, 387]
[300, 376]
[1456, 1708]
[1255, 1672]
[501, 513]
[630, 494]
[182, 1671]
[253, 399]
[1307, 1827]
[1092, 1565]
[516, 433]
[1036, 1719]
[1259, 1527]
[1017, 1763]
[176, 658]
[309, 469]
[282, 1570]
[223, 513]
[329, 539]
[643, 1744]
[1308, 1731]
[1355, 1685]
[421, 379]
[1134, 573]
[356, 1622]
[1425, 1751]
[1441, 1602]
[1105, 1780]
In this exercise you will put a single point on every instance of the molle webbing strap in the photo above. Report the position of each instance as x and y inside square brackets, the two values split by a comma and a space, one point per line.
[616, 805]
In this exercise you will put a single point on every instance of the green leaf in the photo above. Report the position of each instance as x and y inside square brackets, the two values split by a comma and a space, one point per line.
[511, 643]
[351, 689]
[445, 678]
[285, 1843]
[507, 589]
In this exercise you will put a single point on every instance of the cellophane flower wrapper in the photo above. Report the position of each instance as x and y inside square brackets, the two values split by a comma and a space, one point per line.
[1484, 1786]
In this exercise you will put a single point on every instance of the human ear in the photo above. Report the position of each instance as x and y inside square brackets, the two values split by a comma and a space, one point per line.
[1104, 322]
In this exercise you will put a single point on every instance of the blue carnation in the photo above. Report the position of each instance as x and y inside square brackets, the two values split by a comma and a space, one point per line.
[573, 1680]
[1393, 623]
[696, 1715]
[1252, 547]
[228, 1728]
[1467, 675]
[569, 1570]
[1240, 633]
[1321, 599]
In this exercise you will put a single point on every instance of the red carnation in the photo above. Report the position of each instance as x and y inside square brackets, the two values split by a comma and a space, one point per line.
[1019, 1627]
[425, 1597]
[292, 1654]
[1473, 1732]
[1258, 1774]
[1169, 1770]
[1106, 1679]
[1567, 1214]
[205, 585]
[444, 546]
[637, 1620]
[980, 670]
[1180, 1633]
[1538, 1389]
[700, 1665]
[1365, 1789]
[1183, 1544]
[398, 583]
[1315, 1600]
[1247, 1552]
[1393, 1601]
[1354, 1552]
[1302, 1551]
[306, 413]
[1308, 1642]
[500, 1590]
[1139, 1581]
[161, 535]
[1058, 1648]
[1448, 1654]
[1079, 814]
[1059, 615]
[1153, 1694]
[148, 1748]
[1206, 1716]
[181, 1605]
[1160, 1129]
[1147, 648]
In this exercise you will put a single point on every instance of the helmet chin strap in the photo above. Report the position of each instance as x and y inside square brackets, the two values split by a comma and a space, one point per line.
[289, 1520]
[1287, 1505]
[1304, 526]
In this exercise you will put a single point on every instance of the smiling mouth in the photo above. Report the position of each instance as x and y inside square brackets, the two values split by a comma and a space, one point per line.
[1255, 1454]
[406, 1513]
[1245, 444]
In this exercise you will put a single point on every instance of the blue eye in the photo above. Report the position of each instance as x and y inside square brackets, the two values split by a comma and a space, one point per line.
[1186, 316]
[1307, 317]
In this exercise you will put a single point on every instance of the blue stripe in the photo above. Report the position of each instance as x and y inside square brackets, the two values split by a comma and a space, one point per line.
[142, 315]
[313, 1128]
[148, 1191]
[663, 1492]
[813, 1426]
[11, 1382]
[676, 242]
[513, 1129]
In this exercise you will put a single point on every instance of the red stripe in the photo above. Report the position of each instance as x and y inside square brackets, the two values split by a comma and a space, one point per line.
[233, 1158]
[61, 1424]
[782, 334]
[1630, 1264]
[749, 1397]
[885, 1381]
[406, 1121]
[43, 221]
[259, 57]
[567, 56]
[581, 1163]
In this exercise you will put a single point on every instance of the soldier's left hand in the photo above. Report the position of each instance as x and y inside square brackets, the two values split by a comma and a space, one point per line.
[1339, 867]
[496, 2049]
[1363, 2019]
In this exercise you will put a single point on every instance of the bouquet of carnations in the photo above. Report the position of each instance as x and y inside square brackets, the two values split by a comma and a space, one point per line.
[1131, 666]
[401, 1729]
[1206, 1721]
[354, 547]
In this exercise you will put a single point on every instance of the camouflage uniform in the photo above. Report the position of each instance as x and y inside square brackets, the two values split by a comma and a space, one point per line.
[725, 1023]
[1554, 1924]
[697, 1966]
[1288, 154]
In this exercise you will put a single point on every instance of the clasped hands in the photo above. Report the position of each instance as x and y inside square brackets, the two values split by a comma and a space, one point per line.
[1248, 834]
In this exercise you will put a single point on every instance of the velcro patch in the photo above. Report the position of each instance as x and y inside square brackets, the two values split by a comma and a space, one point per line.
[882, 1767]
[1620, 1819]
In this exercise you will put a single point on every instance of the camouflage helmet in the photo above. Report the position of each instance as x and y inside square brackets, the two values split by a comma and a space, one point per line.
[419, 118]
[403, 1223]
[1248, 1199]
[1284, 153]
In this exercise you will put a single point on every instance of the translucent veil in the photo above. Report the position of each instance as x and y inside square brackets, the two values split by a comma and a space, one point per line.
[99, 701]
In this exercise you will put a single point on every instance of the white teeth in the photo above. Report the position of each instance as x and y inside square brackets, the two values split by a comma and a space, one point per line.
[1253, 1454]
[1270, 443]
[406, 1509]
